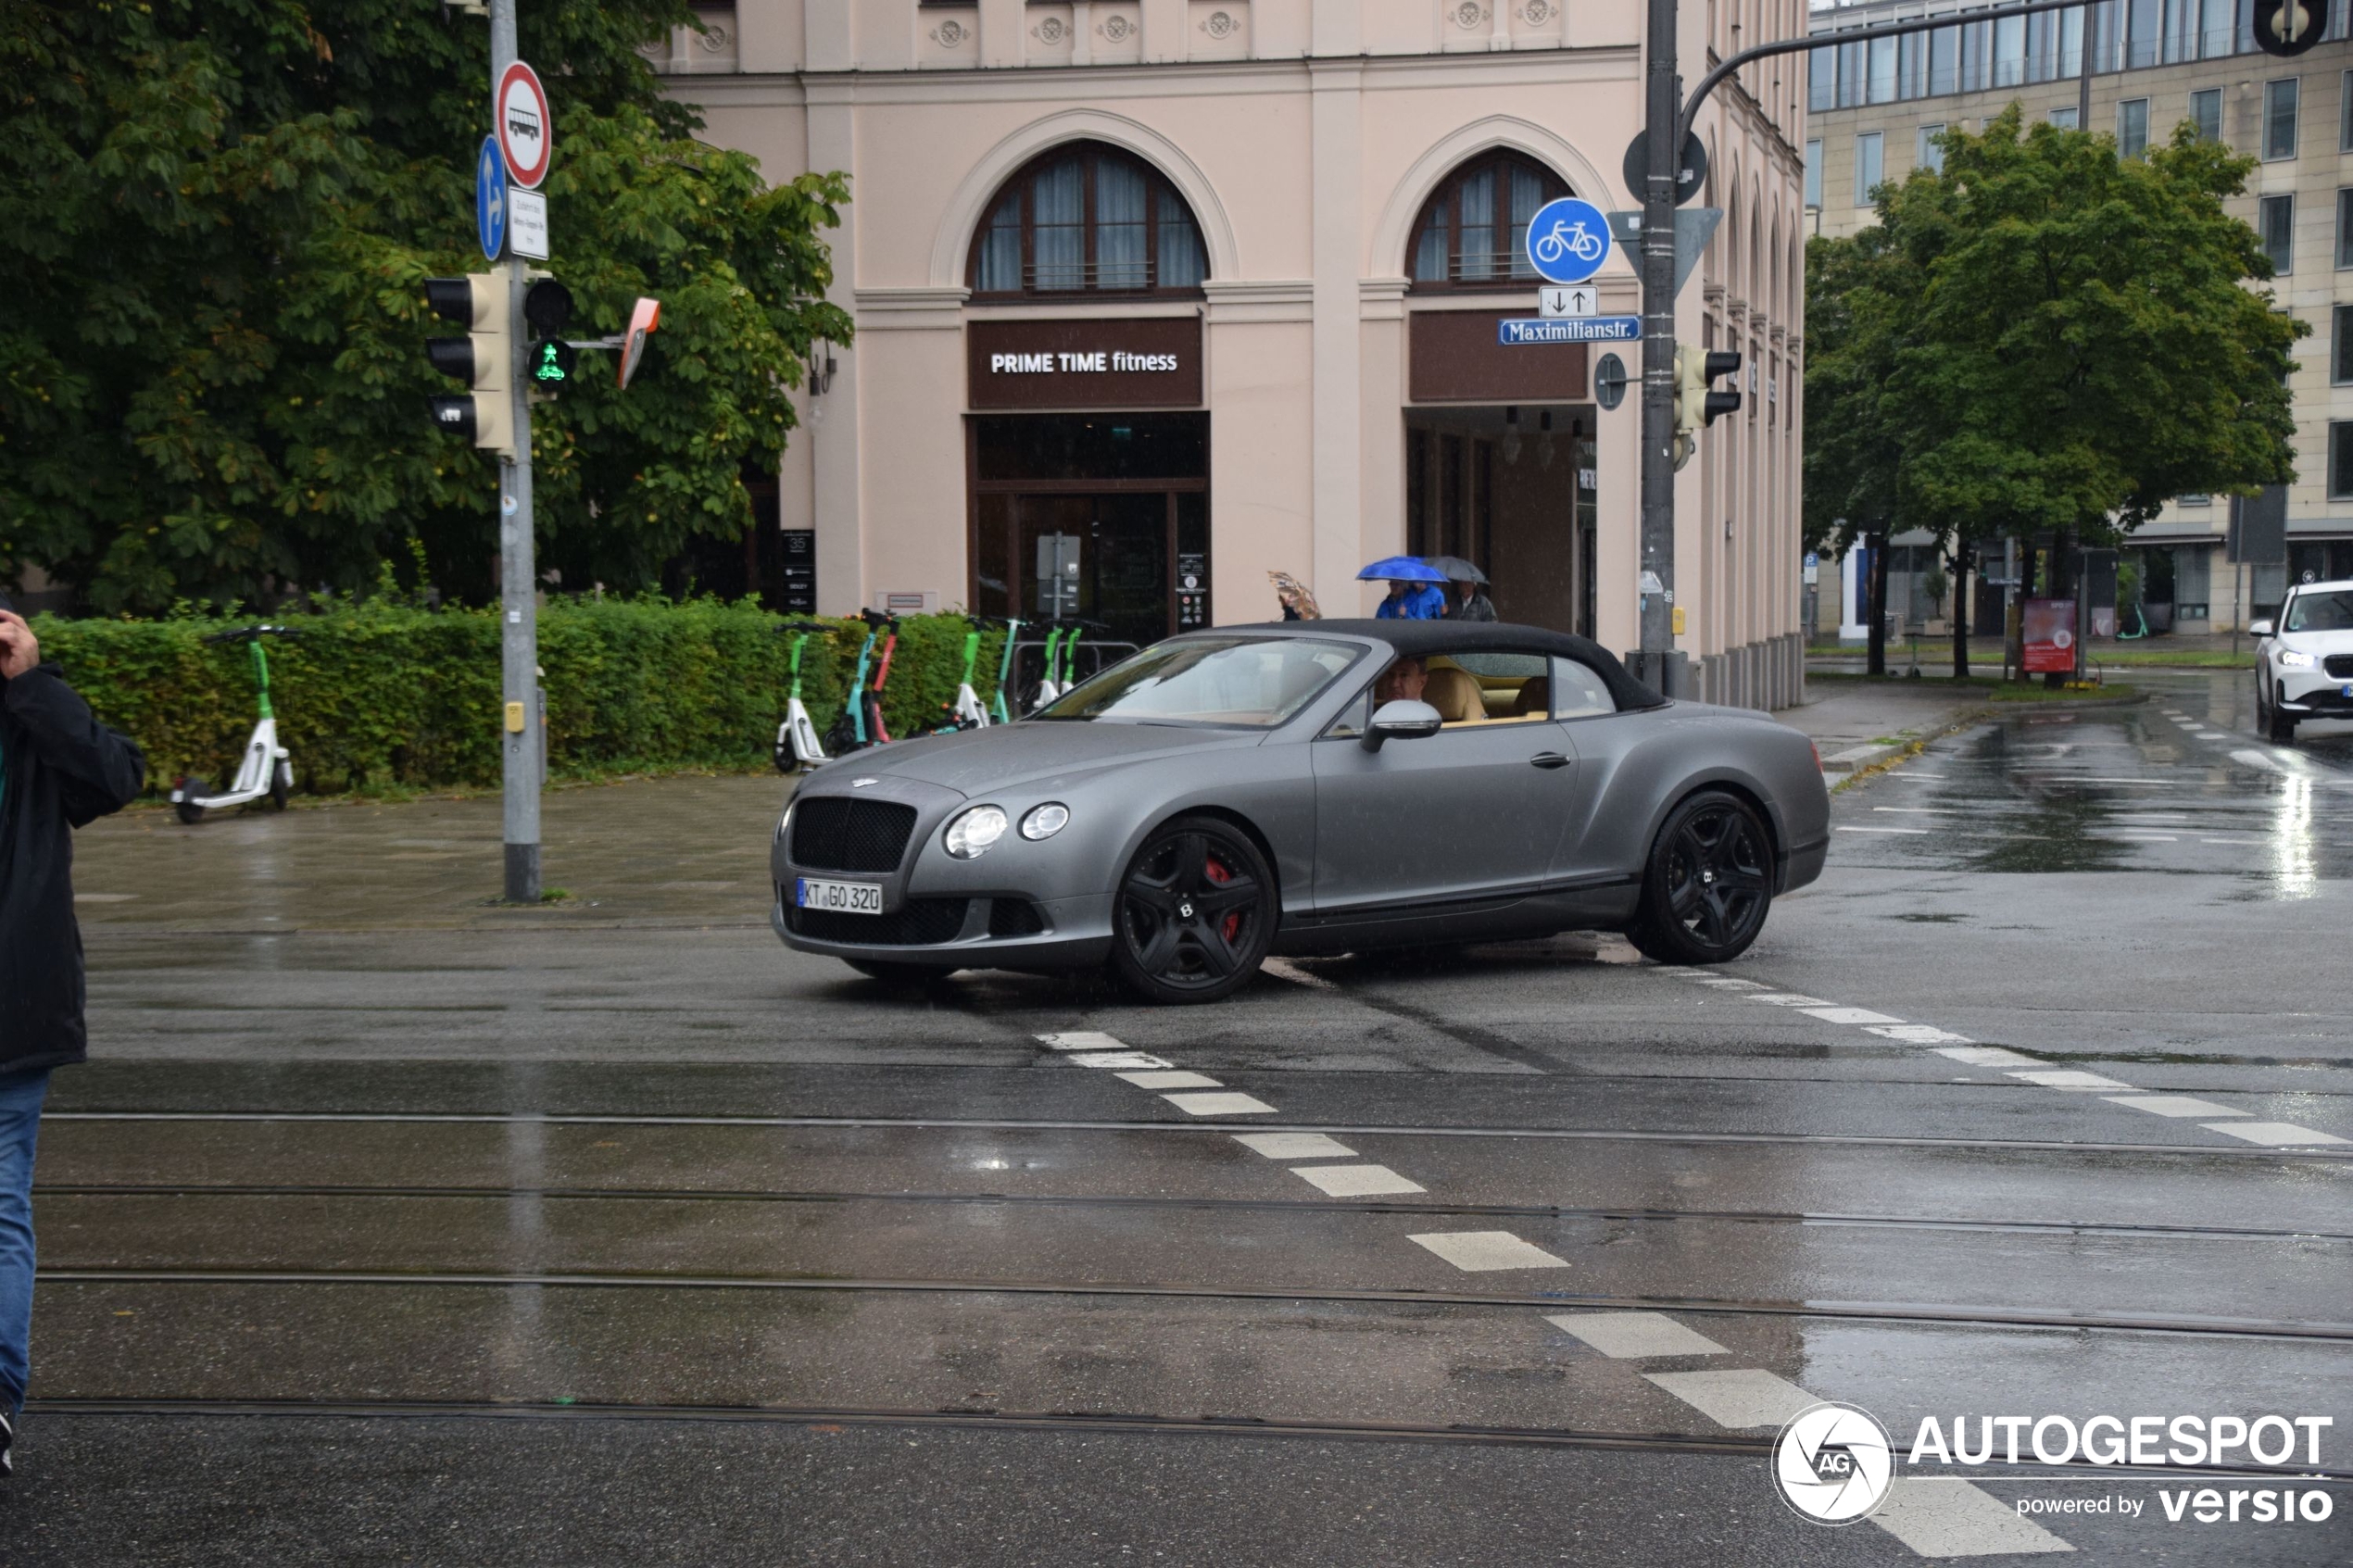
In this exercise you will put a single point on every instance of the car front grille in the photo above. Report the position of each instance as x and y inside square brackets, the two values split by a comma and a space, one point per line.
[833, 832]
[918, 922]
[2339, 665]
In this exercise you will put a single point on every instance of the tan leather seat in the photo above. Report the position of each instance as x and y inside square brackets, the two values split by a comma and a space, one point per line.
[1454, 692]
[1535, 699]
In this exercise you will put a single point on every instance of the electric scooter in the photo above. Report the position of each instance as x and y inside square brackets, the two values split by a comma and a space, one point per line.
[997, 703]
[1047, 688]
[797, 745]
[267, 768]
[860, 722]
[967, 712]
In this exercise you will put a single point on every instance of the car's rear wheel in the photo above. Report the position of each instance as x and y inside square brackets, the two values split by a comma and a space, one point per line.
[1708, 883]
[1193, 915]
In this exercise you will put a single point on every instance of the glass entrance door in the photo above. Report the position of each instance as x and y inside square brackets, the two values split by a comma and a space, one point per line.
[1094, 558]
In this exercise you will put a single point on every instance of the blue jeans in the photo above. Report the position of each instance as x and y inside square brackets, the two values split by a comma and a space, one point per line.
[20, 1097]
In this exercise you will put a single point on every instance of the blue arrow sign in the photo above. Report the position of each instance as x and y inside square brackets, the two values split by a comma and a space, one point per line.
[490, 198]
[1567, 240]
[1568, 328]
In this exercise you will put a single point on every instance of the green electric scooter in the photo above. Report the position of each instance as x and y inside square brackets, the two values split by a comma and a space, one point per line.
[797, 745]
[267, 768]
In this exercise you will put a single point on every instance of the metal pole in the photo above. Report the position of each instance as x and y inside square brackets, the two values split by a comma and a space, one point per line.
[518, 619]
[2083, 84]
[1664, 146]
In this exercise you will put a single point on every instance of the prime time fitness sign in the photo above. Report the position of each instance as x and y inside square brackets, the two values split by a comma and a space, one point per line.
[1085, 362]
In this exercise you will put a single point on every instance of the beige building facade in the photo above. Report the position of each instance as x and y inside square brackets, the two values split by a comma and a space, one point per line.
[2156, 65]
[1154, 297]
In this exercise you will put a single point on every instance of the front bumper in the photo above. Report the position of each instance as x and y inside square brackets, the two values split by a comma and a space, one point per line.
[2313, 692]
[964, 932]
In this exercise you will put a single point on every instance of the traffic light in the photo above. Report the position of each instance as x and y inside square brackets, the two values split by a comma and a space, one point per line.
[548, 360]
[1698, 401]
[484, 359]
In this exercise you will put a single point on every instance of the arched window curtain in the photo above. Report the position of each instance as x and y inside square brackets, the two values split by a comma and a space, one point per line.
[1089, 219]
[1473, 233]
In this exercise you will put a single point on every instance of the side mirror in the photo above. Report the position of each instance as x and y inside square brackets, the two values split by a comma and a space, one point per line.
[2258, 628]
[1401, 721]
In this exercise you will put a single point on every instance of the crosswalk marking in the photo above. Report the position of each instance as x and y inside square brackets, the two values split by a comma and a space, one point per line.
[1737, 1399]
[1228, 1104]
[2273, 1135]
[1477, 1252]
[1946, 1516]
[1356, 1181]
[1295, 1146]
[1635, 1335]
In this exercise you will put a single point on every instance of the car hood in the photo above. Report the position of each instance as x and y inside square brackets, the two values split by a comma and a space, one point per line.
[971, 761]
[2316, 642]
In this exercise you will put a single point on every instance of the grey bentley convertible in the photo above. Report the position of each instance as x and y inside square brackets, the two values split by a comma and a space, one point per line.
[1319, 786]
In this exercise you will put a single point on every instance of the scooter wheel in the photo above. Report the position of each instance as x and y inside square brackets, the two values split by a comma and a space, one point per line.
[280, 785]
[186, 790]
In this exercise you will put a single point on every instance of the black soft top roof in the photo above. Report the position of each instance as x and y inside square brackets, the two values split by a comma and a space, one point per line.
[1422, 639]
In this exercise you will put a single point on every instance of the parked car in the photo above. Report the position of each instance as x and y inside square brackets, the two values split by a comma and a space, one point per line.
[1306, 787]
[2304, 659]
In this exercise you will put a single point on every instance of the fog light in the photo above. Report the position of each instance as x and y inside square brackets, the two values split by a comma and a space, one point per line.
[975, 831]
[1045, 821]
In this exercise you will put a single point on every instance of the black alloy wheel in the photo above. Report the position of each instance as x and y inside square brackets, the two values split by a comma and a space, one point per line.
[1193, 916]
[1708, 883]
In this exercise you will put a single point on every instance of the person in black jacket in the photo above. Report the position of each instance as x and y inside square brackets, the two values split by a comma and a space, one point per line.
[59, 768]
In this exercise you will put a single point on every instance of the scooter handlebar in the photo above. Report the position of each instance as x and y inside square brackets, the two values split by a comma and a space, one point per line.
[248, 633]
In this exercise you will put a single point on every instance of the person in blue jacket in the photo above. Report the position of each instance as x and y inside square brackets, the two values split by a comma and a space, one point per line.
[1413, 601]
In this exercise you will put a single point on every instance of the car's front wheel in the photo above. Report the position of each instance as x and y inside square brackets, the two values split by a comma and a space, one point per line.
[1193, 914]
[2278, 728]
[1708, 883]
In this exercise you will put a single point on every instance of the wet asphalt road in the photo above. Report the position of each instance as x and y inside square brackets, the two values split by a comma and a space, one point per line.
[392, 1230]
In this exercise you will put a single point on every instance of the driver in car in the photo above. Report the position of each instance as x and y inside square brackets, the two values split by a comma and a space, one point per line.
[1402, 682]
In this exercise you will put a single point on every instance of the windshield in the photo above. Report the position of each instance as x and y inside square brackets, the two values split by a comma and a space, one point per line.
[2321, 612]
[1236, 682]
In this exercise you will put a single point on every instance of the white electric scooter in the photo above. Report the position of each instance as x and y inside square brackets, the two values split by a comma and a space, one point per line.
[267, 768]
[797, 744]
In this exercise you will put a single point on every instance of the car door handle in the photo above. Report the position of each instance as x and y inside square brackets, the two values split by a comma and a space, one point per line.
[1549, 759]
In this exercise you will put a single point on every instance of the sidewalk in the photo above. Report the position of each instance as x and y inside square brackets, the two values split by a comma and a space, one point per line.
[1855, 724]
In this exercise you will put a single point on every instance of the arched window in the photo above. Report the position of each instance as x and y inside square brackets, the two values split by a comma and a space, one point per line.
[1472, 234]
[1088, 218]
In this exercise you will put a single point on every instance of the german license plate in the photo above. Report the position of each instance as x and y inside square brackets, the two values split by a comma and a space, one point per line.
[847, 898]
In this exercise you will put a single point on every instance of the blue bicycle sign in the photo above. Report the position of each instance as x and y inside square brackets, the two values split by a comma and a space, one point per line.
[1567, 240]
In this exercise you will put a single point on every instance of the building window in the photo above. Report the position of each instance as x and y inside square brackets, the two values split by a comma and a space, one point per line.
[2064, 119]
[1088, 219]
[2132, 127]
[2141, 30]
[2345, 227]
[1814, 174]
[2205, 113]
[1821, 78]
[2341, 345]
[2279, 119]
[2344, 114]
[1869, 159]
[2275, 225]
[1944, 60]
[1931, 154]
[1473, 232]
[2340, 459]
[1883, 70]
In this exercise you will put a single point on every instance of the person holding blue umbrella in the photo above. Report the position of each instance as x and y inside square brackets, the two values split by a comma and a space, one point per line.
[1414, 588]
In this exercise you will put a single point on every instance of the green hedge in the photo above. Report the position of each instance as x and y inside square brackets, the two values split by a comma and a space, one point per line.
[379, 694]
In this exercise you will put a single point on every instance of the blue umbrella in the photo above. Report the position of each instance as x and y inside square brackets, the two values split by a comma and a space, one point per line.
[1401, 569]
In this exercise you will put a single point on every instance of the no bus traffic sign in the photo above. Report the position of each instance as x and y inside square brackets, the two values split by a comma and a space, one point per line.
[527, 130]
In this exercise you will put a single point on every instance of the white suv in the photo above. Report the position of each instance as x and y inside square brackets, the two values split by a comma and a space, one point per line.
[2304, 660]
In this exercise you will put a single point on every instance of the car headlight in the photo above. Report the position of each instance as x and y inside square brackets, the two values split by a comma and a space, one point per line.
[784, 821]
[975, 831]
[1045, 821]
[2290, 660]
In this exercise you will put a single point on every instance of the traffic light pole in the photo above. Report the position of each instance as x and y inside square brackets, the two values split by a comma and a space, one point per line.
[518, 577]
[1659, 663]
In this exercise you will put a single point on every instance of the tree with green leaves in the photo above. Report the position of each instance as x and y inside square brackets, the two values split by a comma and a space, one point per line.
[2043, 339]
[216, 222]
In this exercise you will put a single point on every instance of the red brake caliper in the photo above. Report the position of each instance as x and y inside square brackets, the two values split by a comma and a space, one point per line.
[1217, 872]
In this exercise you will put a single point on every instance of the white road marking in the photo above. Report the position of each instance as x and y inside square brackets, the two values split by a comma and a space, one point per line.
[2152, 816]
[1283, 969]
[1983, 1055]
[2097, 778]
[1848, 1015]
[1295, 1146]
[1356, 1181]
[2273, 1135]
[1082, 1040]
[2068, 1078]
[1180, 1079]
[1844, 827]
[2171, 1105]
[1631, 1336]
[2233, 841]
[2255, 759]
[1918, 1034]
[126, 897]
[1740, 1398]
[1726, 983]
[1922, 810]
[1789, 1000]
[2129, 836]
[1219, 1105]
[1946, 1516]
[1118, 1058]
[1477, 1252]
